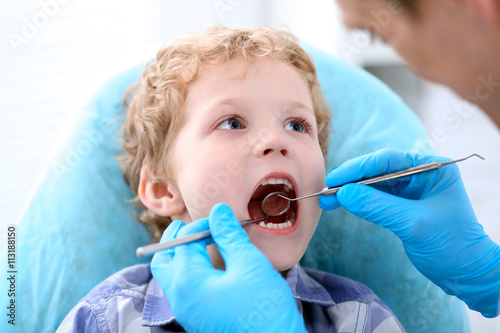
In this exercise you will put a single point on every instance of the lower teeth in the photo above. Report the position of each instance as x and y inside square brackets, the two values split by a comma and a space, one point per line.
[284, 225]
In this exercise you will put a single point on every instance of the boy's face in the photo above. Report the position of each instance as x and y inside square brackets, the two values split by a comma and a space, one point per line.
[246, 125]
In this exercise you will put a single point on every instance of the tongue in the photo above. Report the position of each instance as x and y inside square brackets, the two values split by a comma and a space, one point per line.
[255, 210]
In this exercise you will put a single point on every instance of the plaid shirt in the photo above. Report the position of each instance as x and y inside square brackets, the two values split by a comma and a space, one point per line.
[132, 301]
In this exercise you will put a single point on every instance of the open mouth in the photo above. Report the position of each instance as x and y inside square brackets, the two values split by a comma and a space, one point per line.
[269, 185]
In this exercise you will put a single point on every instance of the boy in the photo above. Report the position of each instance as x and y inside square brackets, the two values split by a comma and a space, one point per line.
[228, 116]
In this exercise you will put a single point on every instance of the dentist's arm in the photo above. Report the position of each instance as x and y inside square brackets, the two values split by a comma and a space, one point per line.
[432, 215]
[250, 295]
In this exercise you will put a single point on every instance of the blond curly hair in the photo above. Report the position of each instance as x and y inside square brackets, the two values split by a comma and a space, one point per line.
[154, 105]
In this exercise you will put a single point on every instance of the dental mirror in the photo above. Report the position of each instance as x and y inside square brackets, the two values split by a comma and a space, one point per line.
[275, 204]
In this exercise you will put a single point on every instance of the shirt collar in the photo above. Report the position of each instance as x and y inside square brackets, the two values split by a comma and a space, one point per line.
[157, 311]
[307, 289]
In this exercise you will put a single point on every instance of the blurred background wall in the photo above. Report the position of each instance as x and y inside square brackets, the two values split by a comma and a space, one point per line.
[54, 53]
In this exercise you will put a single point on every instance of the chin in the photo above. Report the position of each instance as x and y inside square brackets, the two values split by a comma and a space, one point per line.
[282, 261]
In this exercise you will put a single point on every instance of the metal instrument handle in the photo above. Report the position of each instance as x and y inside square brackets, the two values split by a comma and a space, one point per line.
[393, 175]
[152, 248]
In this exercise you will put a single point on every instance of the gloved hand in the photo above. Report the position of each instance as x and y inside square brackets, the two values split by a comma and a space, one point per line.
[431, 213]
[250, 295]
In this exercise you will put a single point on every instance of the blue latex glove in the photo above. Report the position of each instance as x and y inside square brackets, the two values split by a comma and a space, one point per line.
[250, 295]
[432, 215]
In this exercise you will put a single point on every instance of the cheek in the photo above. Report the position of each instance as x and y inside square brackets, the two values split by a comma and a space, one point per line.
[420, 48]
[314, 174]
[314, 167]
[211, 176]
[423, 62]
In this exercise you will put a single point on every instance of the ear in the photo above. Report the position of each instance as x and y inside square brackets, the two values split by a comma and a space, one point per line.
[163, 198]
[487, 11]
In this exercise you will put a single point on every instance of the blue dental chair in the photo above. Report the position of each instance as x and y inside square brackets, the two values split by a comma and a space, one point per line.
[78, 228]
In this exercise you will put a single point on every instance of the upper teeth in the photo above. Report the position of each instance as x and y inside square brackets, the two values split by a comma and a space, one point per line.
[274, 181]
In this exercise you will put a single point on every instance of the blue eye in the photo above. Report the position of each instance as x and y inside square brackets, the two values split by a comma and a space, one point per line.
[230, 124]
[296, 126]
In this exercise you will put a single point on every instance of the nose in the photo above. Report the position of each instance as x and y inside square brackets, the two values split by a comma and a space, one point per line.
[272, 142]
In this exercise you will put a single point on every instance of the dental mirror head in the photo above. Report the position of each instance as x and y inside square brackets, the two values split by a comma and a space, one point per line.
[275, 204]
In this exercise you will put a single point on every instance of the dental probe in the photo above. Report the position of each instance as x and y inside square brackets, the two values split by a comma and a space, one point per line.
[382, 178]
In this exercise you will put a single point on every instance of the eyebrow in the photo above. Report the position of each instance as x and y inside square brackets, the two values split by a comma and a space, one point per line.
[231, 101]
[300, 105]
